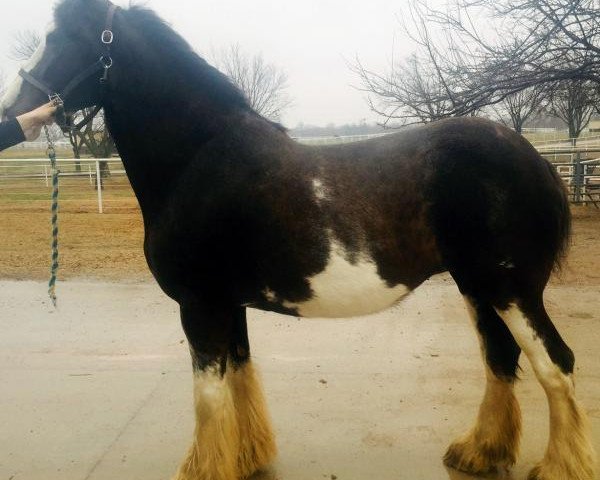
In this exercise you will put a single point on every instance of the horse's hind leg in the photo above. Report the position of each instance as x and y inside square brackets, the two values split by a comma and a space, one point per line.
[493, 442]
[569, 454]
[232, 437]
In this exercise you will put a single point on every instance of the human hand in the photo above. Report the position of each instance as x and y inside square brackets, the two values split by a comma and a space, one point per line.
[32, 122]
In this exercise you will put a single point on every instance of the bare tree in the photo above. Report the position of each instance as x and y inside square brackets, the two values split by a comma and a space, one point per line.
[411, 93]
[487, 50]
[25, 43]
[574, 102]
[264, 84]
[92, 138]
[517, 108]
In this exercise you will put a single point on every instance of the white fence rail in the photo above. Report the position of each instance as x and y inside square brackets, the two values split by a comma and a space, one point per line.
[582, 176]
[35, 170]
[339, 139]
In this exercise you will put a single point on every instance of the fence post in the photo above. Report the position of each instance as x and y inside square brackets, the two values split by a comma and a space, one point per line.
[99, 187]
[578, 177]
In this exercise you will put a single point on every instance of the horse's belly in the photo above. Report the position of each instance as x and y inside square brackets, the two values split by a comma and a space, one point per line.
[347, 289]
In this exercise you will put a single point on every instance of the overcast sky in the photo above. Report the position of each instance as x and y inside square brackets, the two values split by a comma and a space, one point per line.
[310, 39]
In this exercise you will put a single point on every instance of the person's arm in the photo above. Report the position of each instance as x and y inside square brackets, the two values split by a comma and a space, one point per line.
[11, 134]
[27, 126]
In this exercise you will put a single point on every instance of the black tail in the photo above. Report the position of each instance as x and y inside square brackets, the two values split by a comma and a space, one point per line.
[560, 232]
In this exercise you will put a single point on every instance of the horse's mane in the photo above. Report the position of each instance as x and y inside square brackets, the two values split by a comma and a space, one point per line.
[189, 63]
[193, 64]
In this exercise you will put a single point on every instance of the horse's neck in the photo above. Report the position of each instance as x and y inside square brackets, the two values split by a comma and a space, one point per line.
[157, 142]
[161, 110]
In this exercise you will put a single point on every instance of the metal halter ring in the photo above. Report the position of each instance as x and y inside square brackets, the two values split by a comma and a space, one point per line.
[107, 62]
[107, 37]
[55, 99]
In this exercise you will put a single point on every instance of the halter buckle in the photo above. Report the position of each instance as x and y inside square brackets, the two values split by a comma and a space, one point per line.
[106, 61]
[107, 37]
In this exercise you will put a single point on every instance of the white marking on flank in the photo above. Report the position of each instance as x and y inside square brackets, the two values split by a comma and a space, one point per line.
[346, 289]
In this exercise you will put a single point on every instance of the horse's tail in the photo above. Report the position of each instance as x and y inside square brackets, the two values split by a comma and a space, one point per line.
[559, 233]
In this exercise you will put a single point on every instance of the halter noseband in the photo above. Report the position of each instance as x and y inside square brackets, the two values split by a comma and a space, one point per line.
[104, 63]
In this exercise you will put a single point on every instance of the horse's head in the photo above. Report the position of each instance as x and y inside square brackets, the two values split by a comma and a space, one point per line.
[66, 62]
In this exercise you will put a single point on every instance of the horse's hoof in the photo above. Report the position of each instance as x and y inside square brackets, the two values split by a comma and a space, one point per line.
[466, 456]
[550, 471]
[257, 458]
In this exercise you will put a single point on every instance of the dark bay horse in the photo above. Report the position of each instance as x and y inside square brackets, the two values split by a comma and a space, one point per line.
[238, 215]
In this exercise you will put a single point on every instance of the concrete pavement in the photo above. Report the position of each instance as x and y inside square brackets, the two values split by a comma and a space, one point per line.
[101, 389]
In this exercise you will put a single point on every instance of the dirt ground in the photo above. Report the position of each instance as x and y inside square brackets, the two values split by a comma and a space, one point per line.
[98, 246]
[108, 246]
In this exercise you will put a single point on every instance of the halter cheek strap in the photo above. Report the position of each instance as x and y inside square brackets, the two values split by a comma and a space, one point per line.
[36, 83]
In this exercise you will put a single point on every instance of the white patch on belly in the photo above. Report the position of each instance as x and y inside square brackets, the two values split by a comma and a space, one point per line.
[344, 289]
[12, 92]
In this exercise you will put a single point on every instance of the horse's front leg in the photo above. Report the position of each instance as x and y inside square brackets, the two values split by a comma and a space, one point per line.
[233, 437]
[257, 443]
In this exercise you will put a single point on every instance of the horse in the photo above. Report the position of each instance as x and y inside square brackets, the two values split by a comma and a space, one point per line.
[237, 215]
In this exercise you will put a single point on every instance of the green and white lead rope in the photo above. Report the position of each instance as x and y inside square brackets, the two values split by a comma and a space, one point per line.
[54, 209]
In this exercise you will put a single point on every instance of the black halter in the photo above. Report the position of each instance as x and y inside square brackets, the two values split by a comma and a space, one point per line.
[104, 63]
